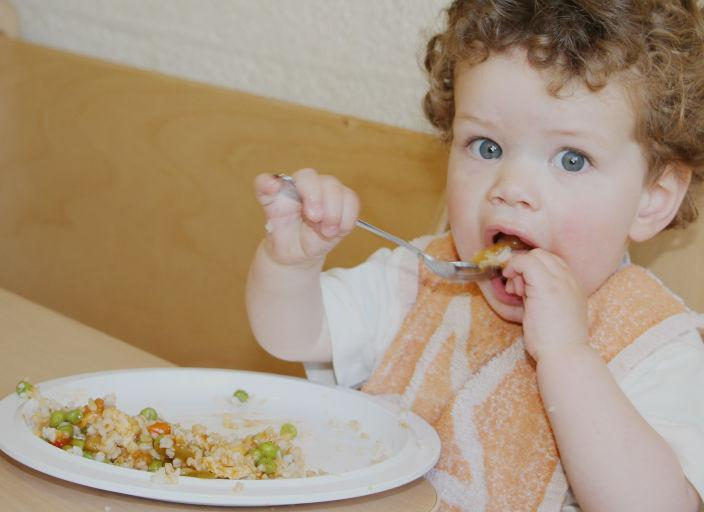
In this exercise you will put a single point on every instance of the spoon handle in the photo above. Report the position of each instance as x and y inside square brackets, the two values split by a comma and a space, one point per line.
[391, 238]
[292, 192]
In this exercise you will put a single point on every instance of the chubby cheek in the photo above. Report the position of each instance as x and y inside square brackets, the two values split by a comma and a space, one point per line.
[592, 249]
[465, 231]
[463, 209]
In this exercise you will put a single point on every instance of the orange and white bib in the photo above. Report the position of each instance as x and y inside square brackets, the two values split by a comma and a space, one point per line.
[465, 371]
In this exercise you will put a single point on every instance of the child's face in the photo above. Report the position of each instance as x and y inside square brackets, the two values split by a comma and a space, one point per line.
[563, 174]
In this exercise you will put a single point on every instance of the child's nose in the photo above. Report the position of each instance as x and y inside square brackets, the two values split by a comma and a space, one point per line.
[514, 186]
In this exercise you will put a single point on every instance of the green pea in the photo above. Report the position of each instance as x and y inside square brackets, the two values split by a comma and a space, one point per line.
[89, 455]
[67, 429]
[268, 449]
[155, 464]
[288, 430]
[57, 418]
[74, 415]
[23, 386]
[81, 443]
[268, 465]
[156, 442]
[149, 413]
[241, 395]
[256, 454]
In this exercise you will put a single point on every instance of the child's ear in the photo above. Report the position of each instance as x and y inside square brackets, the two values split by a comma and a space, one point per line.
[660, 202]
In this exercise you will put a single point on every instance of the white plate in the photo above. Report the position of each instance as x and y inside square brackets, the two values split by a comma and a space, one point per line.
[365, 445]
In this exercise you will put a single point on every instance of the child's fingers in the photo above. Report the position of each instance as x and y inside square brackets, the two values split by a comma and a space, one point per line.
[266, 187]
[332, 206]
[516, 286]
[308, 184]
[511, 287]
[527, 266]
[553, 263]
[520, 286]
[512, 268]
[350, 211]
[328, 207]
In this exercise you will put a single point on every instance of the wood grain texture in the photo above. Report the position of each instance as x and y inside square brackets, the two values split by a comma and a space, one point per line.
[126, 197]
[40, 344]
[677, 257]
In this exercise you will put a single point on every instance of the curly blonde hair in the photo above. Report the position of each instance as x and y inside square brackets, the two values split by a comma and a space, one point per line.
[657, 43]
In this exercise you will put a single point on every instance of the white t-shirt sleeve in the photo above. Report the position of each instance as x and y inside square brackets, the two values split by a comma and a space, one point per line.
[666, 389]
[365, 307]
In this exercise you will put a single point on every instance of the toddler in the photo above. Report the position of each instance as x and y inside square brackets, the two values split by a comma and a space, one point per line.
[573, 380]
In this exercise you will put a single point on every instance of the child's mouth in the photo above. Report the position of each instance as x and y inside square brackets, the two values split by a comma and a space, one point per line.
[497, 255]
[515, 242]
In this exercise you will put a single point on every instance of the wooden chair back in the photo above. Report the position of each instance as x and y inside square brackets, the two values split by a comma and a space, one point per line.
[126, 197]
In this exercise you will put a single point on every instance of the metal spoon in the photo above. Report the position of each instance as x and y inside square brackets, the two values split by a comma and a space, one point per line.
[450, 270]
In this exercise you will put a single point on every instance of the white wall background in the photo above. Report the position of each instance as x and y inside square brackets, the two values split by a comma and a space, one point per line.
[355, 57]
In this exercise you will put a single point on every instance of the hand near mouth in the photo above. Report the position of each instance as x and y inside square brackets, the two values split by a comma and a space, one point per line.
[554, 304]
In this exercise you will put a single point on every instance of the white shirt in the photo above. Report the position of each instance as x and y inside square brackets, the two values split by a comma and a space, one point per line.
[366, 305]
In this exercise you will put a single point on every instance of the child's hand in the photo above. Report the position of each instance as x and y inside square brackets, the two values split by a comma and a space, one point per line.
[303, 233]
[554, 305]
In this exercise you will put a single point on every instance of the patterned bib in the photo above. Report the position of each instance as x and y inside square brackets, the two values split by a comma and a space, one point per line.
[465, 371]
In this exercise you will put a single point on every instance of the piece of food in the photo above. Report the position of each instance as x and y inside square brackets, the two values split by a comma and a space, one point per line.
[241, 395]
[498, 254]
[288, 430]
[100, 431]
[74, 416]
[23, 387]
[56, 418]
[149, 413]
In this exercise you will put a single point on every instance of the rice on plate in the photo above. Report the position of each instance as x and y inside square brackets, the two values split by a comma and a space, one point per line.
[99, 430]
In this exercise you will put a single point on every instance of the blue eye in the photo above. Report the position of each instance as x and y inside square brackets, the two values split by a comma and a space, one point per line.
[485, 148]
[571, 160]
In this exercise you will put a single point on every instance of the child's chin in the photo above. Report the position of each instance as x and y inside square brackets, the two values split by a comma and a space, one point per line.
[507, 306]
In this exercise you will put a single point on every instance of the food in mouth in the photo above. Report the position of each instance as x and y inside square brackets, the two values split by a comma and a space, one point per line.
[498, 254]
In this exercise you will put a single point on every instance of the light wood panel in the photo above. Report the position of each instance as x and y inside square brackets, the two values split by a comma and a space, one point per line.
[677, 257]
[126, 199]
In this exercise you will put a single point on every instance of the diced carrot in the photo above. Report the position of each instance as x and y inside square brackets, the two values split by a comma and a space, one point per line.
[61, 441]
[159, 427]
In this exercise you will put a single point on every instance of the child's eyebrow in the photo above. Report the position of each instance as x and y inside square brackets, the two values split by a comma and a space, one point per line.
[474, 119]
[570, 133]
[577, 133]
[591, 135]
